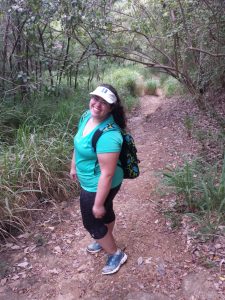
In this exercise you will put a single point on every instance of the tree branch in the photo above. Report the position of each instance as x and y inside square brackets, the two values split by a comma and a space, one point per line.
[206, 52]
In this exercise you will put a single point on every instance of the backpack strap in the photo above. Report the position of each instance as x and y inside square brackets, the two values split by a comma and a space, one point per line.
[95, 138]
[99, 132]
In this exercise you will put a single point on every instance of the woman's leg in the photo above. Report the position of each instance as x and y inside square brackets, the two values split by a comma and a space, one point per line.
[111, 226]
[108, 243]
[100, 229]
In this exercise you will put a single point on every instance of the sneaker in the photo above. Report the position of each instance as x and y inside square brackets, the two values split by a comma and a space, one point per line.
[94, 247]
[114, 262]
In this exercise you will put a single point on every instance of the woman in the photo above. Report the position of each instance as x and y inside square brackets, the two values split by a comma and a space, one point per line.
[98, 171]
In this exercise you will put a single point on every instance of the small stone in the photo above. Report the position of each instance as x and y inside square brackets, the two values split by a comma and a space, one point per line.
[140, 261]
[161, 269]
[22, 274]
[54, 271]
[57, 249]
[81, 269]
[51, 228]
[69, 235]
[3, 281]
[218, 246]
[24, 235]
[141, 286]
[29, 249]
[148, 260]
[15, 247]
[64, 204]
[23, 264]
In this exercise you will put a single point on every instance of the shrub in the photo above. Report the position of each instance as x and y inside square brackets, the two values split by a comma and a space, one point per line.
[36, 167]
[151, 86]
[171, 86]
[34, 158]
[201, 188]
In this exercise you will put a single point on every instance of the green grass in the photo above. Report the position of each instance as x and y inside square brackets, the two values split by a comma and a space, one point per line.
[35, 167]
[36, 145]
[200, 189]
[151, 86]
[170, 86]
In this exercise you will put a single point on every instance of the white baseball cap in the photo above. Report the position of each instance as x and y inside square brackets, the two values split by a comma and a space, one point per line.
[105, 94]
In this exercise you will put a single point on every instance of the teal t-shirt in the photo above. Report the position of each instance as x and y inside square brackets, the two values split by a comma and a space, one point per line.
[87, 166]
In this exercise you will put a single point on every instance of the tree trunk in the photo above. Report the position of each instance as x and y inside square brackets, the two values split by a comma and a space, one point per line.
[65, 60]
[4, 53]
[44, 51]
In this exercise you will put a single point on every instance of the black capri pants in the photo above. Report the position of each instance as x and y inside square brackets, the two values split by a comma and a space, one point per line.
[97, 227]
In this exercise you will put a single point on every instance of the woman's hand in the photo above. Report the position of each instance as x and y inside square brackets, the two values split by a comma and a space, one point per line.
[73, 174]
[98, 211]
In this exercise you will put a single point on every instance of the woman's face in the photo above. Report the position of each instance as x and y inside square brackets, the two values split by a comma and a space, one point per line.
[99, 108]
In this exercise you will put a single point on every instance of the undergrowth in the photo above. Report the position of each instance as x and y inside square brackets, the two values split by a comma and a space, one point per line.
[36, 143]
[200, 189]
[151, 86]
[34, 169]
[170, 86]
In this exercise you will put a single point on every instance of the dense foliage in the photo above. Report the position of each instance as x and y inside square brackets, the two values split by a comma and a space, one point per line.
[48, 43]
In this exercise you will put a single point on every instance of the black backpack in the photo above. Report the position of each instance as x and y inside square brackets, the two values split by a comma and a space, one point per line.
[128, 155]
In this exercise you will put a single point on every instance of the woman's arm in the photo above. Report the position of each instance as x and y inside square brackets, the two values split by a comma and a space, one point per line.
[107, 163]
[73, 174]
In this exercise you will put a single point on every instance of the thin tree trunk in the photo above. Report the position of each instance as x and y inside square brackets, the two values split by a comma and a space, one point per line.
[65, 60]
[77, 67]
[44, 51]
[4, 53]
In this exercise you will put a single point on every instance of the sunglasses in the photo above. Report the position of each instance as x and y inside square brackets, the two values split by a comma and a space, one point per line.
[99, 99]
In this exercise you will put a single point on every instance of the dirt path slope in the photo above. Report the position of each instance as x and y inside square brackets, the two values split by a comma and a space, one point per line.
[50, 261]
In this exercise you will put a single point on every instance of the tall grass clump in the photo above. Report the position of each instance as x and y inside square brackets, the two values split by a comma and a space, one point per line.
[47, 109]
[35, 168]
[124, 79]
[170, 86]
[201, 190]
[35, 154]
[12, 117]
[151, 86]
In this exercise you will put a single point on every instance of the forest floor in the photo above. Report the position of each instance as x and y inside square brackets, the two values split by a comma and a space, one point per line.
[50, 261]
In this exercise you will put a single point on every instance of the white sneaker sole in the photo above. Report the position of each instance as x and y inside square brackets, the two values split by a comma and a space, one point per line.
[93, 251]
[123, 260]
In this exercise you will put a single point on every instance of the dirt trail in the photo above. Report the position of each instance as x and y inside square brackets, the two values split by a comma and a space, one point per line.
[158, 257]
